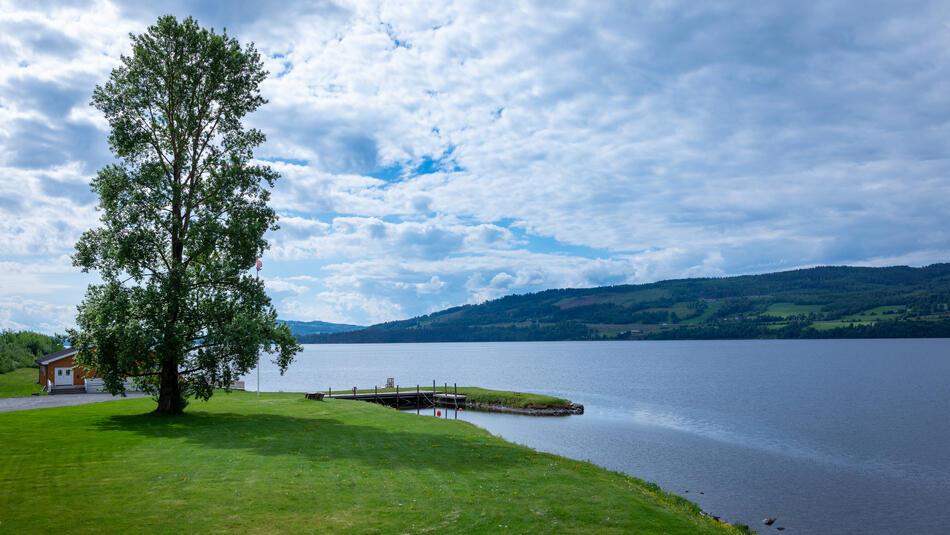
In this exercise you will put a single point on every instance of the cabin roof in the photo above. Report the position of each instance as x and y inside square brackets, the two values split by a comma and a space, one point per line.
[52, 357]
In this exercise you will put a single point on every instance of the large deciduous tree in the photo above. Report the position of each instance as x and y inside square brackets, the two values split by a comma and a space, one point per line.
[183, 219]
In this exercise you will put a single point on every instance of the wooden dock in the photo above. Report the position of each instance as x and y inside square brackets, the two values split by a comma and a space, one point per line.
[405, 398]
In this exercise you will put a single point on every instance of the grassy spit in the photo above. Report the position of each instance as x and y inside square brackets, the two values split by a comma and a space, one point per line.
[284, 464]
[512, 399]
[18, 383]
[475, 394]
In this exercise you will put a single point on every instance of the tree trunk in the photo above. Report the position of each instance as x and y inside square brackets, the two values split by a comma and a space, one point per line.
[169, 394]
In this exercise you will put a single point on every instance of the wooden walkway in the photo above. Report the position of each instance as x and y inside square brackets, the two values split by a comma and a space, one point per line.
[406, 398]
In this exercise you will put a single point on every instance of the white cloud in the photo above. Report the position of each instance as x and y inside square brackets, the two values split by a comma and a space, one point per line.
[434, 156]
[432, 286]
[371, 237]
[18, 314]
[341, 307]
[37, 278]
[43, 212]
[643, 154]
[278, 285]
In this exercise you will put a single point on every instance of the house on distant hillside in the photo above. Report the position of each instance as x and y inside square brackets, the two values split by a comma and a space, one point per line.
[58, 371]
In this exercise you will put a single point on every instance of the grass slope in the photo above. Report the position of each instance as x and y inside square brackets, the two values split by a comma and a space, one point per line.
[18, 383]
[287, 465]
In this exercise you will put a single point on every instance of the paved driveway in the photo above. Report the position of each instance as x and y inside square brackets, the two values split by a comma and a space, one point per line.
[59, 400]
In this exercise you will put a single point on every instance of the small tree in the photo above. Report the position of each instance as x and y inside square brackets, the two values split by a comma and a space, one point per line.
[183, 220]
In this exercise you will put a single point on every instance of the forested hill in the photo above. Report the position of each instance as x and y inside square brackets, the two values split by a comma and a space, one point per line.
[304, 328]
[822, 302]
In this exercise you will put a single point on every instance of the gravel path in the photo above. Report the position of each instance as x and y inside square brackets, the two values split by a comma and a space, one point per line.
[58, 400]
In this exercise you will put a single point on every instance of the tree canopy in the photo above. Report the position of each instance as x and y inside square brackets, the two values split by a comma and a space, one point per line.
[184, 214]
[18, 349]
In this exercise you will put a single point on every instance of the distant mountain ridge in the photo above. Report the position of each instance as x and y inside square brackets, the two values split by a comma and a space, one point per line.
[820, 302]
[304, 328]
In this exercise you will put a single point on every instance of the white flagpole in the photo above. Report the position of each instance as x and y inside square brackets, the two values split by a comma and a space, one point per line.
[258, 266]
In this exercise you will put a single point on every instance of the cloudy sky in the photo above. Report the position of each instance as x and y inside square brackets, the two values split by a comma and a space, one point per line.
[435, 154]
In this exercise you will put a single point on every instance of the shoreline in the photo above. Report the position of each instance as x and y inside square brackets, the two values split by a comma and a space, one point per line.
[571, 409]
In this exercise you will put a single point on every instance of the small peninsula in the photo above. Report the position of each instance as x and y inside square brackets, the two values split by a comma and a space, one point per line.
[464, 397]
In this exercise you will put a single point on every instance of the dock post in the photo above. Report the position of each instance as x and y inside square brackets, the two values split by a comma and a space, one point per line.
[354, 392]
[397, 397]
[433, 397]
[329, 392]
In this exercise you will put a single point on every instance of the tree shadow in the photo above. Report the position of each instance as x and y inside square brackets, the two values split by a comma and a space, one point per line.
[326, 439]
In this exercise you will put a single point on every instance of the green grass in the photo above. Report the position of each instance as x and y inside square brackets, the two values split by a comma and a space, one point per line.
[828, 325]
[288, 465]
[784, 310]
[482, 395]
[711, 308]
[18, 383]
[684, 310]
[877, 313]
[511, 399]
[683, 313]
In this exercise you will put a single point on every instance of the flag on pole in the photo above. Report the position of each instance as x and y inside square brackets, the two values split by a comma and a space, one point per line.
[259, 264]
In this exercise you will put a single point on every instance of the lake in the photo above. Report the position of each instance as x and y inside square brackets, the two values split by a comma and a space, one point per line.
[828, 436]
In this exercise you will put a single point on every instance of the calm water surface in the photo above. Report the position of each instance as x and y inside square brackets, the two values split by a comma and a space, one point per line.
[836, 436]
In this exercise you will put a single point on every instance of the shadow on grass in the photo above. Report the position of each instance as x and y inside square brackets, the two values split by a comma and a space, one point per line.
[324, 439]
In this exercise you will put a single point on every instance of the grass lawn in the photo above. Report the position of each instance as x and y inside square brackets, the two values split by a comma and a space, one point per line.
[288, 465]
[18, 383]
[784, 310]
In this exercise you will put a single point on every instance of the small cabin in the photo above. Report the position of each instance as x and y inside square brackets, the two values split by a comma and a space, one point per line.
[59, 371]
